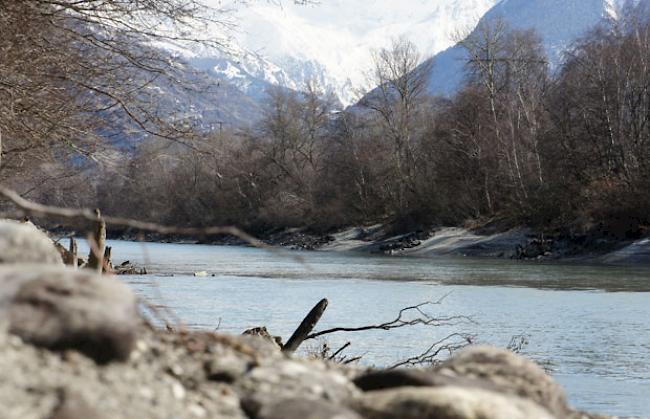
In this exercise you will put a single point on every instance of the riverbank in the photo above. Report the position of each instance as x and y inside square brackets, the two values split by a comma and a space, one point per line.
[487, 241]
[517, 243]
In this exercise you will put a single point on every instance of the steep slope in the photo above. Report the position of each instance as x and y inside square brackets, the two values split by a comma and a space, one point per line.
[558, 23]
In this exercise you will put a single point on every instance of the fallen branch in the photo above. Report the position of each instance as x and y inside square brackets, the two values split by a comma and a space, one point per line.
[400, 321]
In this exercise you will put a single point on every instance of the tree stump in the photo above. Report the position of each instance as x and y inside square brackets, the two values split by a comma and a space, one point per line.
[97, 244]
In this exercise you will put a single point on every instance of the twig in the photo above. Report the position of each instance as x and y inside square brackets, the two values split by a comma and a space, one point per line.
[449, 344]
[338, 352]
[351, 360]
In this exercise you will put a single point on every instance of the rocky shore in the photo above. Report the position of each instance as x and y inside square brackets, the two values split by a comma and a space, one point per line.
[515, 243]
[73, 344]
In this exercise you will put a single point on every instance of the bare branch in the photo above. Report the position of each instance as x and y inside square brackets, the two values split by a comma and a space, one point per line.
[402, 320]
[35, 209]
[448, 345]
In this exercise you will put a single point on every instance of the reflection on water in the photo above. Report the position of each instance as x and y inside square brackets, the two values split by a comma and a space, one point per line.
[587, 324]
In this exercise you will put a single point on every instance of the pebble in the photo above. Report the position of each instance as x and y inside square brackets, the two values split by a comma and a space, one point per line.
[178, 391]
[146, 393]
[197, 411]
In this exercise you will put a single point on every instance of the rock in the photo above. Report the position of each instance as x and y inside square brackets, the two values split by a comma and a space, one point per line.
[226, 369]
[305, 409]
[24, 243]
[61, 308]
[508, 373]
[447, 403]
[74, 406]
[289, 379]
[264, 334]
[385, 379]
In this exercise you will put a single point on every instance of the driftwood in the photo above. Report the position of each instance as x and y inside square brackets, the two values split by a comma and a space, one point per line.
[73, 251]
[408, 316]
[97, 244]
[69, 255]
[107, 262]
[306, 326]
[128, 268]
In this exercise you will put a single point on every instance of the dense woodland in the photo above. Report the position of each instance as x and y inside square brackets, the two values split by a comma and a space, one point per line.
[557, 149]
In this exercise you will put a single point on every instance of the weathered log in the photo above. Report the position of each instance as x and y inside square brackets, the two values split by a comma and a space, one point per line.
[98, 244]
[306, 326]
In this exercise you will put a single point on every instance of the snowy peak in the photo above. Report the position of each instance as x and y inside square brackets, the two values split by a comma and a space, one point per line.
[558, 22]
[329, 43]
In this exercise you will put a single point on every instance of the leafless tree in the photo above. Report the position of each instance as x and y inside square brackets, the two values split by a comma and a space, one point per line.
[511, 68]
[401, 79]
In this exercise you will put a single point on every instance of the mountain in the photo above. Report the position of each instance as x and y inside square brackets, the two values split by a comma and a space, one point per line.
[329, 42]
[557, 22]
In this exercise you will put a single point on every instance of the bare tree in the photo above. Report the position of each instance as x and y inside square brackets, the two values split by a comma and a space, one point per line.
[401, 79]
[511, 68]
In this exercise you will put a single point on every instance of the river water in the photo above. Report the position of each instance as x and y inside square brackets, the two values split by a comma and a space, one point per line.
[587, 325]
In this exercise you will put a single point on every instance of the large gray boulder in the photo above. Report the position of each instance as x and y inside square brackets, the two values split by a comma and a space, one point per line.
[24, 243]
[60, 308]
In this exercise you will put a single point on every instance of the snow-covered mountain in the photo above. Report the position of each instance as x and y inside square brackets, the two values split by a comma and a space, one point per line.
[557, 22]
[274, 43]
[329, 42]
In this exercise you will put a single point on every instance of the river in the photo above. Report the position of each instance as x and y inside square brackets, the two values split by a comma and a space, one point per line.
[588, 325]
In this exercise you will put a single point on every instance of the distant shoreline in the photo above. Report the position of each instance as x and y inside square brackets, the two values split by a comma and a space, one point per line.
[514, 244]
